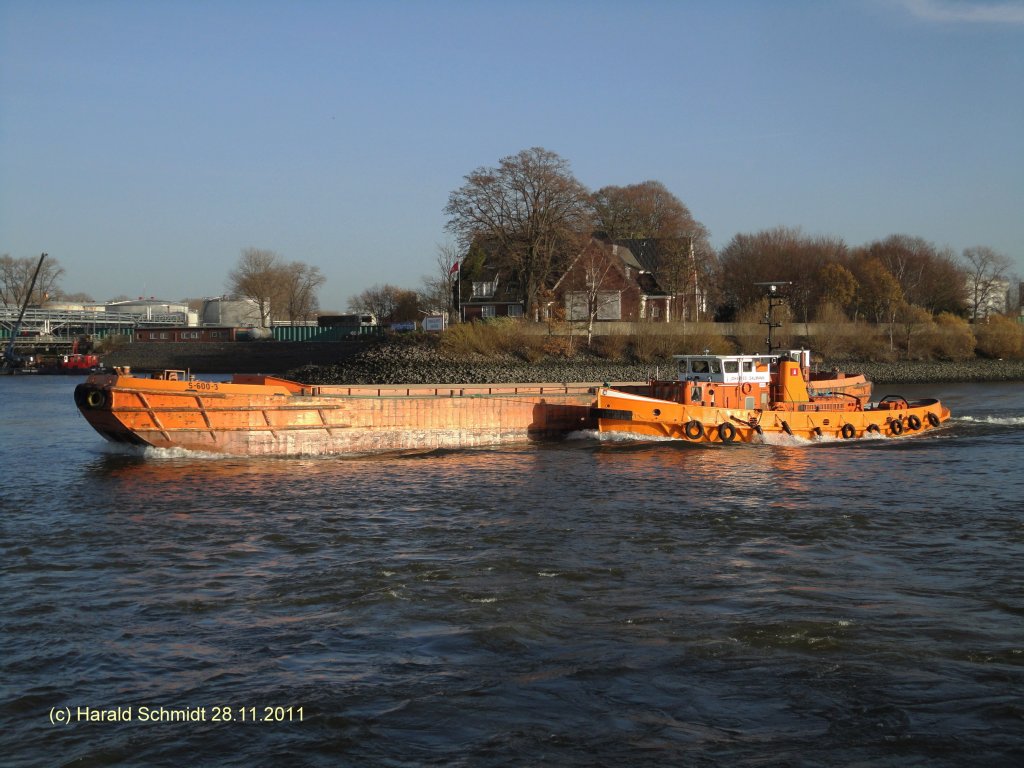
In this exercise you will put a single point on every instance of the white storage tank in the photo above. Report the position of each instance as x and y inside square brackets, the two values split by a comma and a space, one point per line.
[230, 312]
[150, 308]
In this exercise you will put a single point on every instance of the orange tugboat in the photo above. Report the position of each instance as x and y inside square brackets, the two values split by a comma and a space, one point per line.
[743, 398]
[748, 398]
[254, 415]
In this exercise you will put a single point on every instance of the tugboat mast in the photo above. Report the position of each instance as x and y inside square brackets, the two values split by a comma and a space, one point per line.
[775, 299]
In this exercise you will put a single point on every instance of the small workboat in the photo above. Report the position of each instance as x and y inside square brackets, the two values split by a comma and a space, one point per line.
[73, 363]
[744, 398]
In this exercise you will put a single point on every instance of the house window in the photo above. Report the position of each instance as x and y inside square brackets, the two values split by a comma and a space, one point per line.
[483, 290]
[607, 306]
[655, 311]
[576, 305]
[487, 310]
[515, 310]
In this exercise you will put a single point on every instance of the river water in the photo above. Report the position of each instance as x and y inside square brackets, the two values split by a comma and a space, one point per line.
[579, 604]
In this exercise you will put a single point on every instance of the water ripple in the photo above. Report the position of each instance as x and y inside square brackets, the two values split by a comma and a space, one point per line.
[584, 603]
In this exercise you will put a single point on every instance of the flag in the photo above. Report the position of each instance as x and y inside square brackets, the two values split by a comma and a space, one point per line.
[454, 270]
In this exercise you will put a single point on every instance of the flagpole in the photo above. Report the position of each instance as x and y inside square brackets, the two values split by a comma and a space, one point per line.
[458, 291]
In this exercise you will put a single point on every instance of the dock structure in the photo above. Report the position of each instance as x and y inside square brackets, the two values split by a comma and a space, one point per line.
[49, 327]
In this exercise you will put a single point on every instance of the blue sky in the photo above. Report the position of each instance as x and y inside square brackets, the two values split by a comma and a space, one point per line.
[145, 144]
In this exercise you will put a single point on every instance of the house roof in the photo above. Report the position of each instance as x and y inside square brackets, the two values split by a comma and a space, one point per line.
[628, 257]
[649, 285]
[645, 252]
[643, 278]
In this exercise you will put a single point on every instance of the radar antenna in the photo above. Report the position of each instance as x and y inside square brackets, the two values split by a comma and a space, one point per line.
[775, 299]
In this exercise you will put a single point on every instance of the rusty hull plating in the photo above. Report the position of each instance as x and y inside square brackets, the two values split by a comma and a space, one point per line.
[253, 415]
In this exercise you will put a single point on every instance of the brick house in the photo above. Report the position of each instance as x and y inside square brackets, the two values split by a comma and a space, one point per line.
[489, 292]
[674, 266]
[606, 281]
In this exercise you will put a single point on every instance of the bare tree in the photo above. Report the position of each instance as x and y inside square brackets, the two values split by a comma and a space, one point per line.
[837, 285]
[438, 294]
[257, 276]
[928, 275]
[300, 283]
[986, 279]
[281, 290]
[16, 277]
[531, 208]
[643, 210]
[407, 307]
[913, 322]
[783, 254]
[878, 292]
[589, 281]
[380, 300]
[78, 297]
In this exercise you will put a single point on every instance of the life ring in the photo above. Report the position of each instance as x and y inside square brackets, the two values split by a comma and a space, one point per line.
[745, 388]
[694, 430]
[786, 429]
[726, 432]
[913, 421]
[95, 399]
[873, 428]
[896, 427]
[848, 431]
[933, 419]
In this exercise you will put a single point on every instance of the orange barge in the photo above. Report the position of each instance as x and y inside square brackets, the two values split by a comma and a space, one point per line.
[254, 415]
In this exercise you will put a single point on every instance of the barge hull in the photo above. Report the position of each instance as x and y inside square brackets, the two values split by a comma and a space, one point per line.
[265, 416]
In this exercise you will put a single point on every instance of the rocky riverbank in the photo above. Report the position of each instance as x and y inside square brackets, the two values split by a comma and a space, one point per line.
[408, 362]
[412, 364]
[934, 372]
